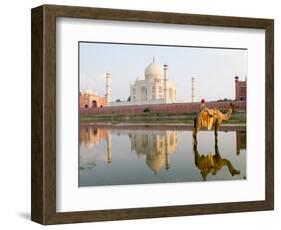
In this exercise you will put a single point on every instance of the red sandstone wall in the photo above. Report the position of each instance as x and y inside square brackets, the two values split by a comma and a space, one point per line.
[175, 108]
[240, 90]
[87, 99]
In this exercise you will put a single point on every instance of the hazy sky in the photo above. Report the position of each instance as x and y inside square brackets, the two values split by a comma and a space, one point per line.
[213, 69]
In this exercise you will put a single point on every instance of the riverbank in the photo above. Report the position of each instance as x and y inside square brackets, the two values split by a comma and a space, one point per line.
[237, 118]
[157, 126]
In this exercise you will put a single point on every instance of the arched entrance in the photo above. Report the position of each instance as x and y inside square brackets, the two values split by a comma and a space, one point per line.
[143, 93]
[171, 96]
[94, 104]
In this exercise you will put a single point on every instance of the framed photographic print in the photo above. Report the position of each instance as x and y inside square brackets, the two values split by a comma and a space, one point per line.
[140, 114]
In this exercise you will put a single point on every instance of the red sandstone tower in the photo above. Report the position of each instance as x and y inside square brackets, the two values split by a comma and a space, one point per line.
[240, 89]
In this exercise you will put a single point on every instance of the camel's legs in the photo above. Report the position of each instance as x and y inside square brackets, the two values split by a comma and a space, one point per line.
[216, 131]
[231, 169]
[195, 130]
[216, 146]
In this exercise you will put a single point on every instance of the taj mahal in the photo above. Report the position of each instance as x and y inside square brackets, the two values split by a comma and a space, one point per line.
[153, 88]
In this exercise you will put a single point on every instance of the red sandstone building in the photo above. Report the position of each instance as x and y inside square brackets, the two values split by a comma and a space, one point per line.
[89, 99]
[90, 136]
[240, 90]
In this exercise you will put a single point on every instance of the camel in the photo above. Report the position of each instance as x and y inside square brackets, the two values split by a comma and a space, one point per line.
[207, 118]
[212, 163]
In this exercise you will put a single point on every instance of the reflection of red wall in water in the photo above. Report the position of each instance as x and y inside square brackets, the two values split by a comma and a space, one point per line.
[241, 140]
[92, 135]
[174, 108]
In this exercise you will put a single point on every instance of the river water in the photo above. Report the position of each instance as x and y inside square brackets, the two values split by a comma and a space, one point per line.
[144, 154]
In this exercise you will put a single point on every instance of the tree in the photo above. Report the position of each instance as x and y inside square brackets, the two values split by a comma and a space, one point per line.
[118, 100]
[146, 110]
[129, 98]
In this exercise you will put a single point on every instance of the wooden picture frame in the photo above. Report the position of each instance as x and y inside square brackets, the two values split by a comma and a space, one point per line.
[43, 189]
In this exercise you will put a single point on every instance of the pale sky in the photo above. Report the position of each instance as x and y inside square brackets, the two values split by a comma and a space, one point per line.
[214, 69]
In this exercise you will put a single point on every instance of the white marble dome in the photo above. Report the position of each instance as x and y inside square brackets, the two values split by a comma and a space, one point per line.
[89, 91]
[153, 71]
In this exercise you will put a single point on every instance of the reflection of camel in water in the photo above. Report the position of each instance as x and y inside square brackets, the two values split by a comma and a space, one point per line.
[212, 163]
[207, 118]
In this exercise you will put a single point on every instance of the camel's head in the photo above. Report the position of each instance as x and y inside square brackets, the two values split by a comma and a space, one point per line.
[232, 106]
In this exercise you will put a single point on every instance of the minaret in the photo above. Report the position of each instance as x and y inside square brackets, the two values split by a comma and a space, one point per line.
[165, 83]
[109, 147]
[167, 158]
[193, 89]
[108, 90]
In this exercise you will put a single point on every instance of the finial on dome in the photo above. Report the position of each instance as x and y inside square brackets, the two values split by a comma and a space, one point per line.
[153, 59]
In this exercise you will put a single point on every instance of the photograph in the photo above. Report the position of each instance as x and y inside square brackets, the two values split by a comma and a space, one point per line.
[146, 113]
[161, 113]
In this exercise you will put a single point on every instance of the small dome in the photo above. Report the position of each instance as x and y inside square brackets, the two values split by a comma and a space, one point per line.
[89, 91]
[153, 71]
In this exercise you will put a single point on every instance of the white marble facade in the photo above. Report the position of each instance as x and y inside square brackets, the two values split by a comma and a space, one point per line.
[155, 88]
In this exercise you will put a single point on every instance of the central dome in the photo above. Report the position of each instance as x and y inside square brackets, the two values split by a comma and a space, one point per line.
[89, 91]
[153, 71]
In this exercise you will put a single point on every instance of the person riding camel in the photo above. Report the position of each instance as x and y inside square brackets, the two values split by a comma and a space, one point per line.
[206, 115]
[202, 105]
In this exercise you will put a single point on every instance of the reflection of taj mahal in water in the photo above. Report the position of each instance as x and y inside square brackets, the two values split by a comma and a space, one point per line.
[157, 147]
[89, 137]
